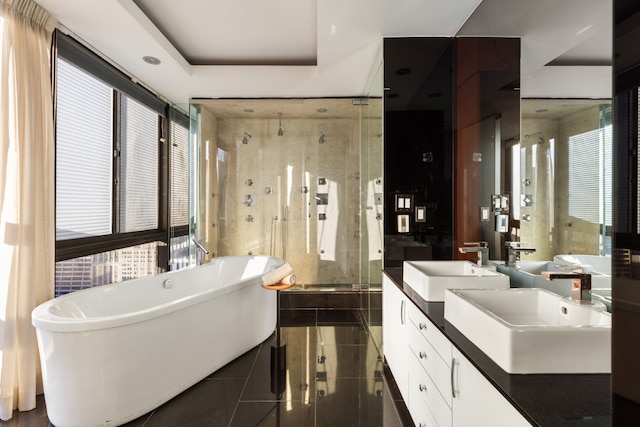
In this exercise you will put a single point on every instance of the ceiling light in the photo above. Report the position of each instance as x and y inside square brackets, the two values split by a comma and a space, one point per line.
[542, 110]
[151, 60]
[321, 110]
[248, 110]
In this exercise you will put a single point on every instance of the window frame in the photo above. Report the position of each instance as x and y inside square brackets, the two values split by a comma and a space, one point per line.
[80, 56]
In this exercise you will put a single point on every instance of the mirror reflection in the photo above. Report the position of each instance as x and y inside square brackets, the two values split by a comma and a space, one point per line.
[561, 177]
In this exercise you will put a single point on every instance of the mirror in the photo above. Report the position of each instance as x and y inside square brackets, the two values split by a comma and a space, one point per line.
[561, 177]
[558, 172]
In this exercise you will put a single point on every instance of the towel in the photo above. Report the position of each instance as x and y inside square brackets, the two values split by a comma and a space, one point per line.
[284, 272]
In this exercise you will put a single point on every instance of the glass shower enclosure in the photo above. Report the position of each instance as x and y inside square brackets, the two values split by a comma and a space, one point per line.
[299, 179]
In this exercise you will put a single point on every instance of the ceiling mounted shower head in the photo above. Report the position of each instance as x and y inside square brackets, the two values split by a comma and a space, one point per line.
[540, 139]
[280, 131]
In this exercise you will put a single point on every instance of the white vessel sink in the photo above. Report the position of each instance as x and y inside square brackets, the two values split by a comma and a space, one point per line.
[431, 278]
[533, 331]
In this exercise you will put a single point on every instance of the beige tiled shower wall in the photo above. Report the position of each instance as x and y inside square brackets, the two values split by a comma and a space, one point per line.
[278, 213]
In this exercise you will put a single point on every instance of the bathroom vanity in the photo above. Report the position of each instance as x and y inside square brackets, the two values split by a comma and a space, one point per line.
[445, 380]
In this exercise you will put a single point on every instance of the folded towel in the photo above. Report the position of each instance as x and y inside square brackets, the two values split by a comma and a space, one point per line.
[278, 275]
[289, 280]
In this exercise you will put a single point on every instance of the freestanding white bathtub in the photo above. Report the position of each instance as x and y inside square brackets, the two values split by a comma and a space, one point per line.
[112, 353]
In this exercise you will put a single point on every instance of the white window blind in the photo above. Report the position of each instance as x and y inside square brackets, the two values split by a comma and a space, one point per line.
[179, 174]
[84, 154]
[138, 167]
[590, 176]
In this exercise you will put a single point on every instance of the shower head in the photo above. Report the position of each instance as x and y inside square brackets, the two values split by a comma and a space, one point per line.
[246, 138]
[280, 131]
[540, 139]
[321, 140]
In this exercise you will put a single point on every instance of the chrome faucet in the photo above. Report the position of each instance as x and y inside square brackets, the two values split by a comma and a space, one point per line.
[482, 248]
[581, 288]
[199, 245]
[513, 250]
[201, 249]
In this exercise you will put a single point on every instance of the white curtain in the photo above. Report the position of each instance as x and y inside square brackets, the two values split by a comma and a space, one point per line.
[27, 234]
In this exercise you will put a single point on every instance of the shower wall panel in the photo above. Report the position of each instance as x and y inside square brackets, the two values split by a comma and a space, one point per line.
[291, 196]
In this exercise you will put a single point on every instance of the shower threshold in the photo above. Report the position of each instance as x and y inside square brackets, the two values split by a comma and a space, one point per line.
[332, 287]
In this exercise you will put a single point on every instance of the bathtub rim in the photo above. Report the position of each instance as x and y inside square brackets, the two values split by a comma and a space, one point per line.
[43, 319]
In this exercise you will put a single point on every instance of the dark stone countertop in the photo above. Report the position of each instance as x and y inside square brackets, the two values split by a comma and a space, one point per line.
[546, 400]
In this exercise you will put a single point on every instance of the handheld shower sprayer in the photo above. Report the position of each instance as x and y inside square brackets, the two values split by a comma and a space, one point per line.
[280, 131]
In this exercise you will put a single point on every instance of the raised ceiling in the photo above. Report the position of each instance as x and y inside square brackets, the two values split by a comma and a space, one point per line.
[245, 32]
[311, 48]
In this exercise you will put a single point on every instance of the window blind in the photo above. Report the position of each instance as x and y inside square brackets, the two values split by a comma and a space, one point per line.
[589, 191]
[138, 166]
[179, 174]
[84, 154]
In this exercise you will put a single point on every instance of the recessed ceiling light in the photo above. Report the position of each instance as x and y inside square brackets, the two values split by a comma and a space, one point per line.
[248, 110]
[321, 110]
[151, 60]
[542, 110]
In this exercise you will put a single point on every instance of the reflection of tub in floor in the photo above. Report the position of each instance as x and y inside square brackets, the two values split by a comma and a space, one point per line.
[113, 353]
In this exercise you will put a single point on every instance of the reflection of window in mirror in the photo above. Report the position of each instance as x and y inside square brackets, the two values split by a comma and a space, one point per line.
[591, 177]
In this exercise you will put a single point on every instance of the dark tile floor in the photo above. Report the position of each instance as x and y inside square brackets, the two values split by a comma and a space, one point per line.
[334, 377]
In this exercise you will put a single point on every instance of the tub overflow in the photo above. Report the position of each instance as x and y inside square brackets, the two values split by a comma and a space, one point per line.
[167, 284]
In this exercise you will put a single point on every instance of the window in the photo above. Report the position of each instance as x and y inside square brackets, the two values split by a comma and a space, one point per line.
[179, 172]
[84, 154]
[114, 169]
[138, 154]
[590, 196]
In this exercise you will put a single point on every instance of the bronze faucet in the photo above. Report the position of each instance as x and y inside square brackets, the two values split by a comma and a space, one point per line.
[581, 289]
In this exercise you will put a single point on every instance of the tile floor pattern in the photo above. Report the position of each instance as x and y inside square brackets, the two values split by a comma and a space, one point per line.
[334, 378]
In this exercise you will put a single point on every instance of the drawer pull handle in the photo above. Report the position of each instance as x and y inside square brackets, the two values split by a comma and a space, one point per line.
[423, 355]
[422, 326]
[422, 387]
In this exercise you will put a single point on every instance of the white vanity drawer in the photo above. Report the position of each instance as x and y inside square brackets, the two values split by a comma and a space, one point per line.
[431, 332]
[420, 413]
[431, 362]
[422, 388]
